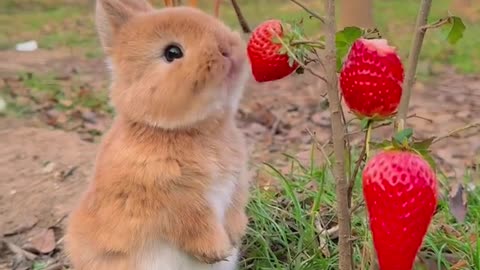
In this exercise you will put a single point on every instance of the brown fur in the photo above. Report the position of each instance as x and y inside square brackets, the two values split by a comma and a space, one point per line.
[174, 136]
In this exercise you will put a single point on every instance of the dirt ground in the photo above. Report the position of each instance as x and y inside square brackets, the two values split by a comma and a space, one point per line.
[44, 170]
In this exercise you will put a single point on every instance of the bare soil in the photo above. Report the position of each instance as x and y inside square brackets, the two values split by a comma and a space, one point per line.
[44, 170]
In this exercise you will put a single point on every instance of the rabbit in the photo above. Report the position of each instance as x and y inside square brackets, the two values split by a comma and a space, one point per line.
[170, 184]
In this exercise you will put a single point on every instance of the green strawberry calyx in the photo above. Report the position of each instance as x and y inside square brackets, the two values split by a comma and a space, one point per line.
[403, 140]
[294, 43]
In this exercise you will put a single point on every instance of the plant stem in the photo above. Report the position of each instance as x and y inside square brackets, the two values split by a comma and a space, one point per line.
[363, 155]
[368, 137]
[338, 134]
[351, 183]
[415, 49]
[241, 18]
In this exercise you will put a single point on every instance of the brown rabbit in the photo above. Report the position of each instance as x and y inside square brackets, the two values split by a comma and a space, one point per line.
[170, 184]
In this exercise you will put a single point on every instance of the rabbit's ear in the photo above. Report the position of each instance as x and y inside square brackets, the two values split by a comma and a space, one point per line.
[139, 5]
[112, 14]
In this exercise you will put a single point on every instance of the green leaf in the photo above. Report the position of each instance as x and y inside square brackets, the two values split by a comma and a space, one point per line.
[403, 135]
[39, 266]
[424, 144]
[344, 39]
[396, 144]
[456, 32]
[426, 155]
[342, 50]
[349, 34]
[380, 145]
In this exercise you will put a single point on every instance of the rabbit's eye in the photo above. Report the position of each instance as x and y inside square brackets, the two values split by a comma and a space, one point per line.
[172, 52]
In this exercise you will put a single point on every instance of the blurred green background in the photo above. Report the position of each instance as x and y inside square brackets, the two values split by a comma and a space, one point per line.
[69, 23]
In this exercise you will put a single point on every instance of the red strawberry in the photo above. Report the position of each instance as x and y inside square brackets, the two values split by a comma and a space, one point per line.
[400, 191]
[371, 79]
[268, 64]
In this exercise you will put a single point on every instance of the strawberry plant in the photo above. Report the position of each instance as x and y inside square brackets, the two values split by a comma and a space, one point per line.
[399, 182]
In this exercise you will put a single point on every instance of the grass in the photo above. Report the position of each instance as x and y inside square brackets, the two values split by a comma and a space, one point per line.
[44, 90]
[284, 231]
[53, 25]
[56, 25]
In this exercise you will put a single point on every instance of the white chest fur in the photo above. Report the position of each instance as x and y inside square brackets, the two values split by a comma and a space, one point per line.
[165, 257]
[219, 195]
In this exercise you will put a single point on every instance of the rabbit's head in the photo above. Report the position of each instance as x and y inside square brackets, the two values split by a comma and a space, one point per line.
[171, 68]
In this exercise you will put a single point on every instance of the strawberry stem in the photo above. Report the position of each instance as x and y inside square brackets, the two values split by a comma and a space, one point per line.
[312, 43]
[368, 137]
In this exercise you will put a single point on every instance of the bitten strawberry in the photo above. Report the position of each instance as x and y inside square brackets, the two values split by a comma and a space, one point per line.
[268, 63]
[400, 191]
[371, 79]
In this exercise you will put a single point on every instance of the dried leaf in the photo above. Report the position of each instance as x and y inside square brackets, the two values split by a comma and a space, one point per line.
[426, 262]
[3, 105]
[48, 168]
[460, 265]
[458, 202]
[450, 231]
[27, 224]
[44, 241]
[66, 102]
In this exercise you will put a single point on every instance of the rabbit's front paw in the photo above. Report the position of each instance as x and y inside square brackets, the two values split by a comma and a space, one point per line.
[216, 248]
[236, 226]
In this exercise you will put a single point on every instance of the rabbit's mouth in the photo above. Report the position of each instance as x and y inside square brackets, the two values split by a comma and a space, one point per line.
[234, 66]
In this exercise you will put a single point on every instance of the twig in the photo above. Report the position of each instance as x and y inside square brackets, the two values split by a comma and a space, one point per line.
[415, 49]
[455, 131]
[441, 22]
[374, 127]
[311, 12]
[320, 147]
[240, 17]
[384, 124]
[338, 131]
[356, 207]
[421, 117]
[19, 251]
